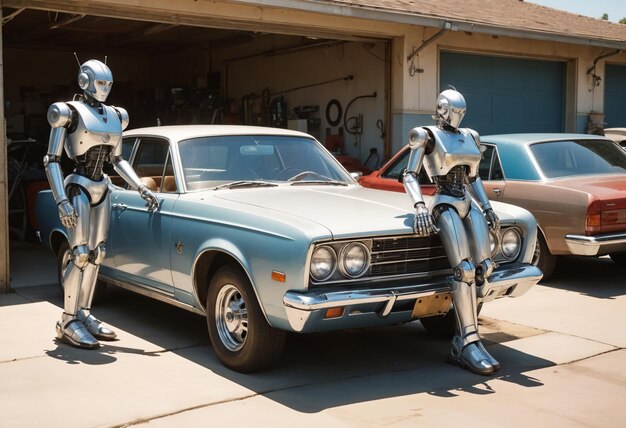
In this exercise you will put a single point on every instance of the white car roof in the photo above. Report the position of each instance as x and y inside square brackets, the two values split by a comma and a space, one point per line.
[183, 132]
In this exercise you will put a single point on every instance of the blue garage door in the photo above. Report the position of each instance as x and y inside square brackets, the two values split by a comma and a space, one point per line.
[506, 95]
[615, 96]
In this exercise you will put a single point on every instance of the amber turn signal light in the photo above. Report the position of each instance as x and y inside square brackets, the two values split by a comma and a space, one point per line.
[334, 312]
[279, 276]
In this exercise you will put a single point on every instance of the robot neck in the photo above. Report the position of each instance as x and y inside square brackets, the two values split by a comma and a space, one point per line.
[90, 100]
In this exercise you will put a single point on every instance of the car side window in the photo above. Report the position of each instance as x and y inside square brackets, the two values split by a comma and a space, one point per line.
[150, 163]
[489, 167]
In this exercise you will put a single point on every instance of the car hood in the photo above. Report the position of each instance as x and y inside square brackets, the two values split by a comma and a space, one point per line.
[344, 211]
[603, 187]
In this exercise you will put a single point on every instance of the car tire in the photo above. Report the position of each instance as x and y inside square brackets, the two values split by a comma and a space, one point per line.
[445, 325]
[543, 258]
[64, 254]
[247, 344]
[619, 259]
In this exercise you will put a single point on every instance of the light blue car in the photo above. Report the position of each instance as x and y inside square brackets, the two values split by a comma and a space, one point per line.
[262, 231]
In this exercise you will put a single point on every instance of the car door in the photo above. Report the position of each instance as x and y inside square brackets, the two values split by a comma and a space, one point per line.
[491, 173]
[140, 239]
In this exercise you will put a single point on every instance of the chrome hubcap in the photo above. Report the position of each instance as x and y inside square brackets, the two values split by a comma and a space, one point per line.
[231, 317]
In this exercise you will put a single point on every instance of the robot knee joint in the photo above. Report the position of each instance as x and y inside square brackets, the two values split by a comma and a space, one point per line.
[485, 268]
[97, 256]
[80, 256]
[465, 272]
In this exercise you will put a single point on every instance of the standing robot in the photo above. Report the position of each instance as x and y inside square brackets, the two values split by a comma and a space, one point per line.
[450, 156]
[91, 133]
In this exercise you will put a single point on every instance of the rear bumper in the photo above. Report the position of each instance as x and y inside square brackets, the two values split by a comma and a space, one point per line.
[373, 307]
[598, 245]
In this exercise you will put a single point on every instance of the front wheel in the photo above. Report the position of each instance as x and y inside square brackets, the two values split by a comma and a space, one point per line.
[240, 335]
[543, 258]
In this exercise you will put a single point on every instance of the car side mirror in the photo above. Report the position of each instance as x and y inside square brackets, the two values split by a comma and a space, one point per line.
[356, 174]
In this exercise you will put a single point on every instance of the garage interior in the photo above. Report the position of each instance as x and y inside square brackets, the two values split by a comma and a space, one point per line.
[333, 88]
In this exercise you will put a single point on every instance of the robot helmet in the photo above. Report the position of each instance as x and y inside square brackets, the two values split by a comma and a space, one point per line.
[451, 107]
[95, 79]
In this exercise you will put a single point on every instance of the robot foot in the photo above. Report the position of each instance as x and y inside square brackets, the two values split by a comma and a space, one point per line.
[96, 328]
[472, 358]
[76, 334]
[493, 361]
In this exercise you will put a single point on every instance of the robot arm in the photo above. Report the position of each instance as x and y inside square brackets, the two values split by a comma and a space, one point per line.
[419, 140]
[477, 189]
[60, 118]
[129, 175]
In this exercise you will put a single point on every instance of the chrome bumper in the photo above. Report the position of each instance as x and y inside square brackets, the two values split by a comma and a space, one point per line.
[305, 309]
[581, 245]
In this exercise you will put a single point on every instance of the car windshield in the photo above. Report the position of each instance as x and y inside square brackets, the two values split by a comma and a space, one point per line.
[214, 162]
[566, 158]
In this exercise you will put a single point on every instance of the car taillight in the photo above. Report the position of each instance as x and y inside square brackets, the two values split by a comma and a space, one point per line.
[613, 217]
[593, 222]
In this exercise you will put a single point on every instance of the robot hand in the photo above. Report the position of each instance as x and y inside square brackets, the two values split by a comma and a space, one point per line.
[150, 198]
[67, 213]
[424, 223]
[492, 219]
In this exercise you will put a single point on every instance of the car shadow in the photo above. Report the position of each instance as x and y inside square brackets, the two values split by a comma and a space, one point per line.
[595, 277]
[316, 371]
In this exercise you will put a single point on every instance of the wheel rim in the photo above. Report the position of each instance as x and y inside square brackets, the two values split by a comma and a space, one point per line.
[231, 317]
[536, 254]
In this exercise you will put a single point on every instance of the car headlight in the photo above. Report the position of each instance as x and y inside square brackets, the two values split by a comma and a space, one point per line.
[354, 260]
[511, 244]
[494, 242]
[323, 263]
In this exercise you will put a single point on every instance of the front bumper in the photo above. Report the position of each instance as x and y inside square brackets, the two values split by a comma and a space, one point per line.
[383, 306]
[598, 245]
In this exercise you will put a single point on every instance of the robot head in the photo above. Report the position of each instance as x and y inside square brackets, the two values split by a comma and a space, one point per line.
[451, 107]
[95, 79]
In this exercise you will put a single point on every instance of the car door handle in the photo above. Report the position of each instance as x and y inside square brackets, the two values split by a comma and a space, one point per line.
[120, 207]
[497, 191]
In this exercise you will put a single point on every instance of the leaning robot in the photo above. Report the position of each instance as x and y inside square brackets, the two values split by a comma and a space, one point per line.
[91, 133]
[450, 156]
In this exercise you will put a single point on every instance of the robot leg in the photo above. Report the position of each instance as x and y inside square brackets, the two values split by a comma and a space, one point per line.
[477, 229]
[465, 351]
[97, 235]
[90, 277]
[70, 329]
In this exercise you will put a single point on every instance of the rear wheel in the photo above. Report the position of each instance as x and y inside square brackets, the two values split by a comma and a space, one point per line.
[239, 332]
[543, 258]
[619, 259]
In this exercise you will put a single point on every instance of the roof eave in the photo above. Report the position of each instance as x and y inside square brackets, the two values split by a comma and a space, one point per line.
[401, 17]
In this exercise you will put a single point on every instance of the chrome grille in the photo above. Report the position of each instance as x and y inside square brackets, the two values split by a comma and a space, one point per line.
[398, 256]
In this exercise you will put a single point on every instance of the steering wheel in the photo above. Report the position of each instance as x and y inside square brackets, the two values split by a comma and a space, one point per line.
[287, 172]
[305, 173]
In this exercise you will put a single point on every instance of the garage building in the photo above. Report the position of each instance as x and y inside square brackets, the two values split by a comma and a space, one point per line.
[355, 74]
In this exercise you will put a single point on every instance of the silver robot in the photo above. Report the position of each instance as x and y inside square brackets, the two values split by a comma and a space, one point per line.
[91, 134]
[450, 156]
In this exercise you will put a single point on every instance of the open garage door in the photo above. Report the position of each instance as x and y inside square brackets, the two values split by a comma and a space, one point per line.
[615, 96]
[506, 95]
[331, 86]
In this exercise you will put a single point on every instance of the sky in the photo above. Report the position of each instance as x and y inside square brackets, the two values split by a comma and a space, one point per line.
[595, 9]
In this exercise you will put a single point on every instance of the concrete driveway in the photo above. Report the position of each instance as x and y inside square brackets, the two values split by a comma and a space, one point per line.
[561, 348]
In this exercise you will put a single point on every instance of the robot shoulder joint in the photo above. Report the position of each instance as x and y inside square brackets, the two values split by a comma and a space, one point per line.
[418, 137]
[59, 115]
[123, 114]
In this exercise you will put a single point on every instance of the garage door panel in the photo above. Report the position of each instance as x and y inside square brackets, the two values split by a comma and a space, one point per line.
[511, 95]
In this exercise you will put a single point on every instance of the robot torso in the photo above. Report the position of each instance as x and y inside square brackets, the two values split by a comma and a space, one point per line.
[95, 126]
[451, 149]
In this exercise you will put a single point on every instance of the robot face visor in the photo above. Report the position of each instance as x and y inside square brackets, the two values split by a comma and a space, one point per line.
[102, 88]
[455, 116]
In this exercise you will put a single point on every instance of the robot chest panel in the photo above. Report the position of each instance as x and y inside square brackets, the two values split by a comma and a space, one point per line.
[452, 149]
[95, 127]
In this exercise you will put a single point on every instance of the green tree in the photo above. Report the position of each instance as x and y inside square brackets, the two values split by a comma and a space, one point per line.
[622, 21]
[605, 16]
